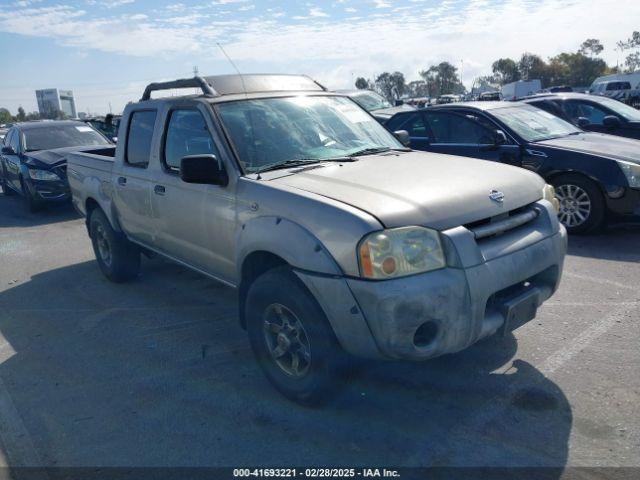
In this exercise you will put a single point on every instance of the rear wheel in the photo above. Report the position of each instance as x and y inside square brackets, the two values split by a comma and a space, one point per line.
[118, 258]
[291, 338]
[582, 205]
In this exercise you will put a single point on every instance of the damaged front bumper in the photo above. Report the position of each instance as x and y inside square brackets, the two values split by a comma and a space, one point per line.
[492, 284]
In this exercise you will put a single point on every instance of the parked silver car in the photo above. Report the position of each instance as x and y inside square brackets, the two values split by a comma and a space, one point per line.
[337, 237]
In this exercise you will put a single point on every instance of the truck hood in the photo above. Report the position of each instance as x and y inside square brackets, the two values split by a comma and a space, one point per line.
[55, 157]
[610, 146]
[419, 188]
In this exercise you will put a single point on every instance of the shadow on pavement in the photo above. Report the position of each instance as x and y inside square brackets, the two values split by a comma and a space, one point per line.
[158, 373]
[615, 242]
[14, 213]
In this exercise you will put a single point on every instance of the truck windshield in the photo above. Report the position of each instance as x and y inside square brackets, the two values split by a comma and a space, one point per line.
[534, 124]
[277, 130]
[61, 136]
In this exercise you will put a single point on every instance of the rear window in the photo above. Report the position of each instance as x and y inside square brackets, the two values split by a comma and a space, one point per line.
[139, 138]
[61, 136]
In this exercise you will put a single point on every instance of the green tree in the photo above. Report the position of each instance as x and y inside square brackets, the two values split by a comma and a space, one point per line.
[442, 79]
[591, 46]
[531, 67]
[575, 69]
[505, 70]
[362, 83]
[5, 116]
[632, 61]
[391, 85]
[418, 88]
[22, 116]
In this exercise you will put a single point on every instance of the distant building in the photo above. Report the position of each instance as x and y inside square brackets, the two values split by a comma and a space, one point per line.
[51, 101]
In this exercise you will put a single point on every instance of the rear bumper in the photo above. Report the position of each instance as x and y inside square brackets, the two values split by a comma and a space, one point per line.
[456, 306]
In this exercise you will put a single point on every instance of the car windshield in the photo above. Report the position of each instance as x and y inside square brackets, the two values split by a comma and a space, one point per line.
[275, 130]
[622, 109]
[534, 124]
[370, 101]
[61, 136]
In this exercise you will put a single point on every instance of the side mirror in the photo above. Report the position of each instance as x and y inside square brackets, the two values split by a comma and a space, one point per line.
[583, 122]
[8, 151]
[501, 138]
[403, 137]
[611, 121]
[203, 169]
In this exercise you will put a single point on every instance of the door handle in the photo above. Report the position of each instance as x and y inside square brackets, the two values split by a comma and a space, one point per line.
[122, 181]
[159, 190]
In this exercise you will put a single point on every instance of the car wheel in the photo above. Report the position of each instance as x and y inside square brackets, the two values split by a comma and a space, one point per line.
[118, 258]
[33, 203]
[582, 206]
[291, 338]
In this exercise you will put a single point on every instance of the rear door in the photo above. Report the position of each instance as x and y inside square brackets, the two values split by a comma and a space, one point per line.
[469, 134]
[194, 223]
[133, 177]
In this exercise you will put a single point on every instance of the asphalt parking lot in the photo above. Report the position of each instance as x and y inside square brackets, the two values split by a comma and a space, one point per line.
[157, 372]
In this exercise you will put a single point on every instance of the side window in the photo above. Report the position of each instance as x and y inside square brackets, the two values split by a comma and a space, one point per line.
[139, 138]
[576, 109]
[547, 107]
[413, 124]
[456, 128]
[7, 139]
[187, 134]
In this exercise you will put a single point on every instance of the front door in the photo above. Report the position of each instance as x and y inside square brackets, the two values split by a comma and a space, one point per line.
[12, 161]
[194, 223]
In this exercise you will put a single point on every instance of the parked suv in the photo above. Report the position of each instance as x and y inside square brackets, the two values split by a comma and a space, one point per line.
[337, 237]
[595, 175]
[590, 112]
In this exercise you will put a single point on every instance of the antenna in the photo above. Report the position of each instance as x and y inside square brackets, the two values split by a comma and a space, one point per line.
[195, 71]
[234, 66]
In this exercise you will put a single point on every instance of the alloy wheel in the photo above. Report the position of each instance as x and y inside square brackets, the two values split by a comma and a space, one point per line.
[104, 248]
[575, 205]
[286, 340]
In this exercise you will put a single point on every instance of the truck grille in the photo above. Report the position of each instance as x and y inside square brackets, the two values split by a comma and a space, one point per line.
[505, 222]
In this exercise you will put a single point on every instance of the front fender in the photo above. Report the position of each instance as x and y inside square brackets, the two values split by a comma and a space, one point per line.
[290, 241]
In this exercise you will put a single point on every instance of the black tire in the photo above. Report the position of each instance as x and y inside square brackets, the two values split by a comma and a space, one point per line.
[572, 190]
[33, 204]
[327, 362]
[118, 258]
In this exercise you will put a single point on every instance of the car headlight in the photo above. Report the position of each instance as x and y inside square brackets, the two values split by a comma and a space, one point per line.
[43, 175]
[400, 252]
[549, 193]
[632, 172]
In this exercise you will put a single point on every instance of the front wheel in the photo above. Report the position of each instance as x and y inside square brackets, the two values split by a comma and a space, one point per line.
[582, 205]
[291, 338]
[118, 258]
[33, 203]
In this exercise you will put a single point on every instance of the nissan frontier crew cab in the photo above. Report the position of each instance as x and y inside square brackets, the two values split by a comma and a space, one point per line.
[339, 240]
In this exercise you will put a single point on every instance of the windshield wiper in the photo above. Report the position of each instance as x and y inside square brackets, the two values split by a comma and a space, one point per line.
[298, 162]
[369, 151]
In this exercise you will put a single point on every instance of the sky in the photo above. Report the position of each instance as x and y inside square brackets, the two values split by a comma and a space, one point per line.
[106, 51]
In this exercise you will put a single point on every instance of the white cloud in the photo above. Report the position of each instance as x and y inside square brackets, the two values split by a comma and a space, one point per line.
[335, 51]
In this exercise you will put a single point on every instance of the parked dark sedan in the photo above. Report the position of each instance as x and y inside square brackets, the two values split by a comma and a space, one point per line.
[375, 104]
[594, 174]
[591, 112]
[33, 164]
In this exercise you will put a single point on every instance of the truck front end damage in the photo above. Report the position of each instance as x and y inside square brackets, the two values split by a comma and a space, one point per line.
[498, 273]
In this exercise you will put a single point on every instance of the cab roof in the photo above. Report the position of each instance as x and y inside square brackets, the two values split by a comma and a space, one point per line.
[219, 86]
